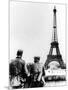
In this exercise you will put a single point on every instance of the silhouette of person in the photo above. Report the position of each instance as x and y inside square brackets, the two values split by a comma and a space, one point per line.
[37, 72]
[17, 71]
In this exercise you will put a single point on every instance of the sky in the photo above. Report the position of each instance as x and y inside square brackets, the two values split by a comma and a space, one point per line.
[31, 27]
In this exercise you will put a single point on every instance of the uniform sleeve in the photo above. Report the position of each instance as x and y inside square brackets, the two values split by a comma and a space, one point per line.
[11, 69]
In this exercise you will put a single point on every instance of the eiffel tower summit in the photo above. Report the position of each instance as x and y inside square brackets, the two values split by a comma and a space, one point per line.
[54, 46]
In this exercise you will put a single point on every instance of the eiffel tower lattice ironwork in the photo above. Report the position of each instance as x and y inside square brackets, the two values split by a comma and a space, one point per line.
[54, 45]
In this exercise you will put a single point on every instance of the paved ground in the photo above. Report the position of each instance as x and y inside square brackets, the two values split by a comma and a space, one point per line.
[49, 84]
[56, 83]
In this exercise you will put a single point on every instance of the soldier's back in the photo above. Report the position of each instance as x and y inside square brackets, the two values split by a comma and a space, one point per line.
[38, 67]
[16, 66]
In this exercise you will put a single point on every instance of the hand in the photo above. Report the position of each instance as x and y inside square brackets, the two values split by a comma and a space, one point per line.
[28, 74]
[38, 79]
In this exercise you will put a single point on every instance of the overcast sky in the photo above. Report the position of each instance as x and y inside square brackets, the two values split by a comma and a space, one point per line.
[31, 26]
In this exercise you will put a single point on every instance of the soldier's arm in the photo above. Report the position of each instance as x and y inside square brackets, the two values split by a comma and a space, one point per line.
[27, 72]
[40, 75]
[43, 76]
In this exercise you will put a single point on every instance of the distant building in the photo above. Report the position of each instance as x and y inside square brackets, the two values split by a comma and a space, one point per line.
[55, 75]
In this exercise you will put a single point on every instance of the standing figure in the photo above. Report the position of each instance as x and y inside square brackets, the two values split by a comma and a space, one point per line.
[37, 74]
[17, 71]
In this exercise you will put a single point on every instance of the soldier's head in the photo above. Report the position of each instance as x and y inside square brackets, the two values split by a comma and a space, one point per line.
[19, 53]
[36, 59]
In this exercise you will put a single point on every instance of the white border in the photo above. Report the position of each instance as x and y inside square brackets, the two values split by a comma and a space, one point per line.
[4, 28]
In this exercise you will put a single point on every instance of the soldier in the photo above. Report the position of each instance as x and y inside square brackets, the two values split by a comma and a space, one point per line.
[17, 71]
[37, 73]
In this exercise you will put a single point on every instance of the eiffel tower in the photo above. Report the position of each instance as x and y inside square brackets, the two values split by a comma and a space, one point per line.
[54, 46]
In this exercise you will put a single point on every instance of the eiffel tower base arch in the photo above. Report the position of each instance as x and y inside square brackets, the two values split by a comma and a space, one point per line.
[57, 58]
